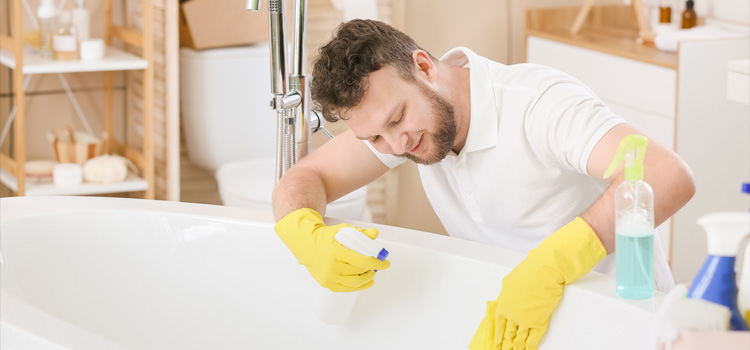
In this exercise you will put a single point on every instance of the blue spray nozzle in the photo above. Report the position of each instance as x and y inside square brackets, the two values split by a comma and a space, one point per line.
[382, 255]
[746, 187]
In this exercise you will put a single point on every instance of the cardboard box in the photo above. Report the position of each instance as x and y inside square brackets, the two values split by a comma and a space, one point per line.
[206, 24]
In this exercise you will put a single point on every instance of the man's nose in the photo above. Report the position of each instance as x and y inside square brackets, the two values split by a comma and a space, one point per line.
[398, 142]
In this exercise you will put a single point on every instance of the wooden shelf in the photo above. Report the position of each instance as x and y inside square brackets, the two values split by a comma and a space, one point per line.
[131, 184]
[13, 173]
[33, 63]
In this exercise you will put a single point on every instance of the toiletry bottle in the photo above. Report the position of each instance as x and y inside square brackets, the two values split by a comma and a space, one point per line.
[688, 16]
[743, 295]
[665, 12]
[81, 21]
[65, 41]
[634, 222]
[716, 281]
[335, 307]
[47, 15]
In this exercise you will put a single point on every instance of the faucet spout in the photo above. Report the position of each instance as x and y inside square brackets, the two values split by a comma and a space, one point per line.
[253, 5]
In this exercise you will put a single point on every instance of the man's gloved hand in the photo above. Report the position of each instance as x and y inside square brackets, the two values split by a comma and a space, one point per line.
[520, 315]
[334, 266]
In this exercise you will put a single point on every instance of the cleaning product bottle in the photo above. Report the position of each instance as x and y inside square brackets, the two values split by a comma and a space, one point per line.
[715, 281]
[335, 307]
[65, 40]
[634, 222]
[47, 15]
[688, 16]
[743, 295]
[81, 21]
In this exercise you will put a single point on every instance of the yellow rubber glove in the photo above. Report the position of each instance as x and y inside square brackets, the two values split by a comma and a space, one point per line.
[520, 315]
[334, 266]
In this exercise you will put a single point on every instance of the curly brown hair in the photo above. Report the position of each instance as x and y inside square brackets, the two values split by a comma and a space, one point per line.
[358, 48]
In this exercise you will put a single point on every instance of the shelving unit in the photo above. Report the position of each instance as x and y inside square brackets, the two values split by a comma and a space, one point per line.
[24, 61]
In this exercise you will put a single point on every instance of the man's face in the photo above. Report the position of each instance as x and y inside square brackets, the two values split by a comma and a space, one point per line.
[404, 118]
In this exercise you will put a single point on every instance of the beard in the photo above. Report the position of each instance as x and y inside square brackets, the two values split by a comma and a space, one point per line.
[443, 139]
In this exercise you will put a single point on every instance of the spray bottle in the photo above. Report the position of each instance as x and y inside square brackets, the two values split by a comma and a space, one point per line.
[335, 307]
[743, 295]
[634, 222]
[715, 281]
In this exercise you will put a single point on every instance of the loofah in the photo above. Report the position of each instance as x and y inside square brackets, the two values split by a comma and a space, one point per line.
[107, 169]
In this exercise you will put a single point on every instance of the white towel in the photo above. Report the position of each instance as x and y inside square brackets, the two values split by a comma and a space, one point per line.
[667, 40]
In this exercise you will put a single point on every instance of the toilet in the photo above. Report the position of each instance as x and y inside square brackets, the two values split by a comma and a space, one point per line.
[231, 130]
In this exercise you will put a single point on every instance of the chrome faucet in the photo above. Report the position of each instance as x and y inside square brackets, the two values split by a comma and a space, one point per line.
[291, 97]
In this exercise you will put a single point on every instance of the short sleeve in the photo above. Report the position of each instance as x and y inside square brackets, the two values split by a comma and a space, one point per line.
[565, 122]
[389, 160]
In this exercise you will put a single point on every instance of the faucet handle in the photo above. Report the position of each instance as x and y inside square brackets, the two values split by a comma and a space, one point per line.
[316, 124]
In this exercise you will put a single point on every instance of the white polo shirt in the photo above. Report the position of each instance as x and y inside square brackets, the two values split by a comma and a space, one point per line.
[522, 172]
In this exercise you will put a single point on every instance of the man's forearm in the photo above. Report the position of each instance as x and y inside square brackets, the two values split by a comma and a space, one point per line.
[601, 216]
[299, 188]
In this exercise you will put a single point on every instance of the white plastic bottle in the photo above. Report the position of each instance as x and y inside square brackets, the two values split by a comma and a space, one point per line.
[634, 222]
[335, 307]
[81, 21]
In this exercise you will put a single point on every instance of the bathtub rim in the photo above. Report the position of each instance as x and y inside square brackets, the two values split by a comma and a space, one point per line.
[598, 284]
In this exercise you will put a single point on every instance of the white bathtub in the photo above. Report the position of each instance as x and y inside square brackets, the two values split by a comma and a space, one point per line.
[109, 273]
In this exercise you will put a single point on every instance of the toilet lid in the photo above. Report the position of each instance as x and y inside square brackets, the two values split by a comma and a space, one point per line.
[254, 180]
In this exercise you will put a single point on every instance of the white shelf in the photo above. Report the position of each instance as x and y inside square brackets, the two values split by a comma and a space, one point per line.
[131, 184]
[114, 60]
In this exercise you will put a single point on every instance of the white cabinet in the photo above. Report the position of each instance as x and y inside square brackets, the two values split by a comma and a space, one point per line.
[679, 100]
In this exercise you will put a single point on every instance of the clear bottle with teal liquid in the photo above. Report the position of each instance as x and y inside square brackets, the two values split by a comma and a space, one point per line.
[634, 222]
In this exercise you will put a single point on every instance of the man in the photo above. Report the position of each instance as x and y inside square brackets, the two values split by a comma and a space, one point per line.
[509, 155]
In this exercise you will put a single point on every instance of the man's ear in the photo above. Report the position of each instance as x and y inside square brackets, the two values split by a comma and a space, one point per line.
[426, 68]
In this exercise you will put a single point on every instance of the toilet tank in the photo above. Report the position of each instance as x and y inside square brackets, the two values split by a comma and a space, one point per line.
[224, 99]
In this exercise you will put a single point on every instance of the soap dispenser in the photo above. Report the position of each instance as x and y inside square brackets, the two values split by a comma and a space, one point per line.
[47, 14]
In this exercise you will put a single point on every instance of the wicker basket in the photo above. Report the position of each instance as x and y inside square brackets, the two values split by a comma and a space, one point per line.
[74, 147]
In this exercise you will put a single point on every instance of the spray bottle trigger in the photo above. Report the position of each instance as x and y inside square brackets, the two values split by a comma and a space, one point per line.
[635, 144]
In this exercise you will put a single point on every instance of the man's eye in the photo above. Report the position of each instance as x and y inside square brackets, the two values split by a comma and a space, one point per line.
[399, 120]
[375, 139]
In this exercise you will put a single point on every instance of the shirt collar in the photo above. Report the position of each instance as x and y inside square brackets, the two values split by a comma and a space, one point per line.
[483, 121]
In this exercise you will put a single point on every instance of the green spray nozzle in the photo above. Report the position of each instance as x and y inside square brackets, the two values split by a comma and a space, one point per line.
[633, 149]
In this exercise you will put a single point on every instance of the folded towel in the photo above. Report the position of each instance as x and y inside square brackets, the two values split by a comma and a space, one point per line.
[667, 40]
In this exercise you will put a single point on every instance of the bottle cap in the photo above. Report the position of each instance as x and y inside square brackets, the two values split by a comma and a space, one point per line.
[382, 255]
[47, 9]
[689, 4]
[633, 149]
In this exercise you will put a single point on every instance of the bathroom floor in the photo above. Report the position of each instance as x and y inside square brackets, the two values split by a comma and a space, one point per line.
[197, 185]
